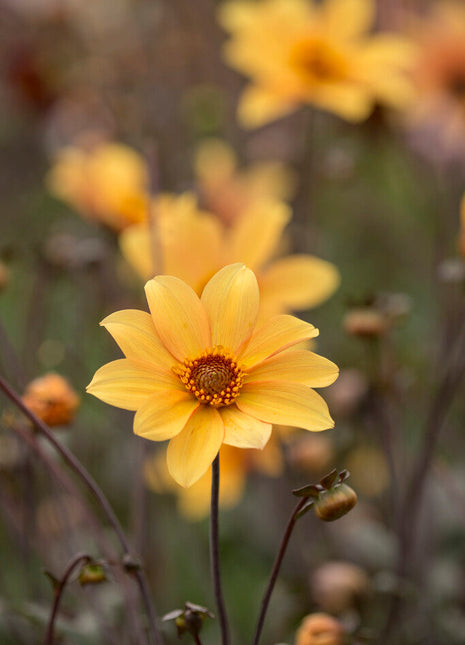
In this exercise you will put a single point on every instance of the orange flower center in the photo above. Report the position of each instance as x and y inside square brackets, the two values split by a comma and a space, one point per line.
[317, 62]
[214, 377]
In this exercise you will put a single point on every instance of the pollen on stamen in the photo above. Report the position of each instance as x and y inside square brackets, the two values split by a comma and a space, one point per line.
[214, 377]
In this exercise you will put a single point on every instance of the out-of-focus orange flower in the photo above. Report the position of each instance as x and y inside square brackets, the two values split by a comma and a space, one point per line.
[320, 629]
[235, 465]
[228, 191]
[193, 245]
[298, 52]
[437, 116]
[338, 585]
[52, 399]
[107, 182]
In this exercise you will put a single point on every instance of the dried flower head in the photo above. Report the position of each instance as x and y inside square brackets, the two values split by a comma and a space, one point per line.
[52, 399]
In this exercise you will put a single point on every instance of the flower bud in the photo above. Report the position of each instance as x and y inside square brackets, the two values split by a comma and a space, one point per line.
[320, 629]
[335, 502]
[337, 586]
[92, 574]
[52, 399]
[365, 322]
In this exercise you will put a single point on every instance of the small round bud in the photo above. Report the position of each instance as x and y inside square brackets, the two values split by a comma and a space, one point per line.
[365, 322]
[338, 586]
[335, 502]
[52, 399]
[320, 629]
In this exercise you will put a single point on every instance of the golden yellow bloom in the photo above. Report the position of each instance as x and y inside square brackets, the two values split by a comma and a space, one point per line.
[228, 191]
[194, 244]
[52, 399]
[108, 183]
[235, 465]
[438, 116]
[199, 373]
[298, 52]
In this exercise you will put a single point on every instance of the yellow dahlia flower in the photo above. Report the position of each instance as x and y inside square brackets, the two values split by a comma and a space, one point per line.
[298, 51]
[198, 372]
[194, 244]
[107, 182]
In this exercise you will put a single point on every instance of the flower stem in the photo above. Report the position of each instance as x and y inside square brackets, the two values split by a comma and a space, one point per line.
[95, 489]
[214, 552]
[275, 570]
[59, 588]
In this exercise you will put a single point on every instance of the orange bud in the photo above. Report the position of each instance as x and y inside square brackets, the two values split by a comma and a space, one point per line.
[52, 399]
[320, 629]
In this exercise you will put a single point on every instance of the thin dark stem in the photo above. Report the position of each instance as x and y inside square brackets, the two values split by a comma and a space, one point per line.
[97, 492]
[59, 589]
[214, 552]
[275, 570]
[197, 639]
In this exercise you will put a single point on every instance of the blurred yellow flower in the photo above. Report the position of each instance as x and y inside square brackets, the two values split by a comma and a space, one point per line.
[320, 629]
[438, 116]
[235, 464]
[194, 244]
[227, 191]
[198, 372]
[297, 52]
[107, 182]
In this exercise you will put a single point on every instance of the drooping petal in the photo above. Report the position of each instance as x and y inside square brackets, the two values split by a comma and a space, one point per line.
[178, 315]
[258, 106]
[350, 100]
[164, 414]
[275, 335]
[285, 404]
[242, 430]
[192, 451]
[256, 234]
[297, 282]
[231, 300]
[348, 18]
[135, 334]
[296, 366]
[127, 385]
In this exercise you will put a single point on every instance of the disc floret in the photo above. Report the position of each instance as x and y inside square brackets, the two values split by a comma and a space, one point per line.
[214, 377]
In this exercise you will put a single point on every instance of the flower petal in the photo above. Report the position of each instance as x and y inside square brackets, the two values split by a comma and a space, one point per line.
[164, 414]
[242, 430]
[135, 245]
[297, 282]
[295, 367]
[135, 334]
[256, 234]
[192, 451]
[258, 106]
[231, 300]
[348, 18]
[285, 404]
[178, 315]
[277, 334]
[127, 385]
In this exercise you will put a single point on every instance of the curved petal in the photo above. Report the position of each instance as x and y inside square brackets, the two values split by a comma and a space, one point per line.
[164, 414]
[178, 315]
[231, 301]
[258, 106]
[192, 451]
[296, 366]
[275, 335]
[135, 246]
[348, 18]
[256, 234]
[297, 282]
[243, 431]
[128, 385]
[135, 334]
[287, 404]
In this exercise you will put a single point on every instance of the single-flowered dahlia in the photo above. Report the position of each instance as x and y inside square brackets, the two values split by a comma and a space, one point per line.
[198, 372]
[298, 52]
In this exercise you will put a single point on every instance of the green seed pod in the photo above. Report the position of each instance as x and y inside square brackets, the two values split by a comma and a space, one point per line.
[335, 502]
